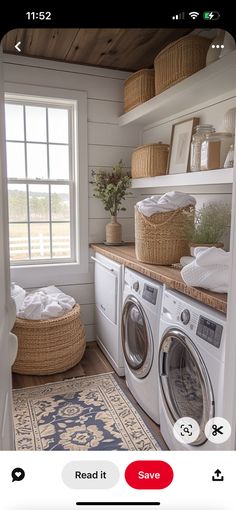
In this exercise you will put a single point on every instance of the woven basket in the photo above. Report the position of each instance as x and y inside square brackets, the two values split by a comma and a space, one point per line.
[161, 238]
[179, 60]
[149, 160]
[49, 346]
[138, 88]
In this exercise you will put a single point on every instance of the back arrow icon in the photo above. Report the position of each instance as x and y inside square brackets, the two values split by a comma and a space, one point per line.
[17, 46]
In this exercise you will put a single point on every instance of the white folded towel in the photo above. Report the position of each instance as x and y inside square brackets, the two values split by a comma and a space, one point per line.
[209, 270]
[168, 202]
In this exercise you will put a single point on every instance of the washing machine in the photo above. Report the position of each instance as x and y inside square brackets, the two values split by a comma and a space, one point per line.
[191, 367]
[140, 332]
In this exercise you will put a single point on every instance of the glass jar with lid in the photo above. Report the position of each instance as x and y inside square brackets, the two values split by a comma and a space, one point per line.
[229, 162]
[214, 150]
[201, 131]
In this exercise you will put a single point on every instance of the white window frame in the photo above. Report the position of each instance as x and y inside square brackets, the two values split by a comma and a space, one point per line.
[71, 108]
[63, 272]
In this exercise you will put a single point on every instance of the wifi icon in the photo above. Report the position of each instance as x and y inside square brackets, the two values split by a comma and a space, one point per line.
[194, 14]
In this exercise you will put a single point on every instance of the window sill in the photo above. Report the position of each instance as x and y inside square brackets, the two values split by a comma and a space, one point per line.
[48, 274]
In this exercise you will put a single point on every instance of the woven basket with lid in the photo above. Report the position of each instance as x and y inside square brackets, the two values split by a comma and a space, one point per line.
[138, 88]
[149, 160]
[179, 60]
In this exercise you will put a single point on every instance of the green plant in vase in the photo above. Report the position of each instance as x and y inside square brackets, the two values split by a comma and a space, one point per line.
[111, 188]
[210, 224]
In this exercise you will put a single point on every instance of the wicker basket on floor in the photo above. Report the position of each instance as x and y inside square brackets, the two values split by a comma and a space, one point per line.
[138, 88]
[161, 238]
[179, 60]
[49, 346]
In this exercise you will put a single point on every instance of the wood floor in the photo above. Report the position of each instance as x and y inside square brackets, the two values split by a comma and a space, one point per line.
[93, 363]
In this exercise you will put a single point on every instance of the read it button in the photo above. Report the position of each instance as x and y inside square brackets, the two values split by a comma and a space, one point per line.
[149, 474]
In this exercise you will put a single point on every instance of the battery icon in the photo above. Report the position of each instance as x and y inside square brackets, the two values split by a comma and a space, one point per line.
[211, 15]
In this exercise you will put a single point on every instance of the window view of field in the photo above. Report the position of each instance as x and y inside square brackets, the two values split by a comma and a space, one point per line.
[38, 168]
[39, 241]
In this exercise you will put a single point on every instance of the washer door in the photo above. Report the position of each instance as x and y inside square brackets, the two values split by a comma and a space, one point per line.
[136, 338]
[185, 384]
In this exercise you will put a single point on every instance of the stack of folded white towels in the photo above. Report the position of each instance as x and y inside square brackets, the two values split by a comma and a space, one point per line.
[45, 303]
[208, 269]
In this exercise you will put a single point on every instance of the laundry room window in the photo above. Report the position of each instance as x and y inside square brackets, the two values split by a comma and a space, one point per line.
[41, 176]
[45, 191]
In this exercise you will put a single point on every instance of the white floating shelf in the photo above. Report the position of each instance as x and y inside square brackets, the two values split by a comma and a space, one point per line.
[209, 177]
[217, 80]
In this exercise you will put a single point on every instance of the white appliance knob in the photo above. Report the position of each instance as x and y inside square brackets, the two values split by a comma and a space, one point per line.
[136, 286]
[185, 316]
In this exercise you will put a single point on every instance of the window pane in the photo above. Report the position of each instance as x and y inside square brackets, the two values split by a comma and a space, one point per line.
[61, 240]
[39, 202]
[58, 162]
[58, 125]
[18, 234]
[60, 203]
[40, 240]
[15, 160]
[17, 202]
[37, 161]
[14, 122]
[35, 123]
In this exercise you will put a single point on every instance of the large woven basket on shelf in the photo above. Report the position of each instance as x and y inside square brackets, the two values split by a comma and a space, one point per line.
[179, 60]
[138, 88]
[49, 346]
[161, 238]
[149, 160]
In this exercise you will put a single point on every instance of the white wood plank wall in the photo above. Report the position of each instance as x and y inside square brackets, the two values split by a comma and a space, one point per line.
[107, 144]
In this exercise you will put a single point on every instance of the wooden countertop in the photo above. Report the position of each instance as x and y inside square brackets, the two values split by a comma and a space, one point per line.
[125, 254]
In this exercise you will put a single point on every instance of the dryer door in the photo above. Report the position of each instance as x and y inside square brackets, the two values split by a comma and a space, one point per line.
[136, 338]
[185, 384]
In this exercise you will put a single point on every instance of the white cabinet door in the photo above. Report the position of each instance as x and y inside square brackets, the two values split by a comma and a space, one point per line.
[6, 424]
[106, 291]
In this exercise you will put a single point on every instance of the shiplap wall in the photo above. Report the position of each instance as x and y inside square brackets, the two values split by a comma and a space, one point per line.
[107, 144]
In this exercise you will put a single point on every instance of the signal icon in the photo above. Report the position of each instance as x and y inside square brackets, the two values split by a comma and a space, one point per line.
[181, 15]
[194, 14]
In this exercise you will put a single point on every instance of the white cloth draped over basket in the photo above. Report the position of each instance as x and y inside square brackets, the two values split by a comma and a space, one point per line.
[45, 303]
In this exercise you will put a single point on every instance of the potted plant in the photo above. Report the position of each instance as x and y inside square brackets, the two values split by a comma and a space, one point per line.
[210, 224]
[111, 188]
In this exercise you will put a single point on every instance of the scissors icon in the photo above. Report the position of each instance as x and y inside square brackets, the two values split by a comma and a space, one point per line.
[217, 430]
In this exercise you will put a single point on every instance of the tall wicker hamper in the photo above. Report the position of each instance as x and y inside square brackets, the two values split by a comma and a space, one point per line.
[49, 346]
[138, 88]
[161, 238]
[179, 60]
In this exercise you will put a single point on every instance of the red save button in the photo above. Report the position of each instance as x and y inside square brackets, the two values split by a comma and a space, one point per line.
[149, 474]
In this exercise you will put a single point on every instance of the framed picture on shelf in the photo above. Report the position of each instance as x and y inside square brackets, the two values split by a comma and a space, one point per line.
[180, 144]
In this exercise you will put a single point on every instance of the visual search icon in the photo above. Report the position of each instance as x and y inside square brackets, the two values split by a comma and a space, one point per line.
[186, 430]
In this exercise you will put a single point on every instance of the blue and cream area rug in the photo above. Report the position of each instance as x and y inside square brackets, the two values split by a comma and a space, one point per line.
[86, 413]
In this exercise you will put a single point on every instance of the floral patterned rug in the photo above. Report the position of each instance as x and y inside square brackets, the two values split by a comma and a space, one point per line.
[86, 413]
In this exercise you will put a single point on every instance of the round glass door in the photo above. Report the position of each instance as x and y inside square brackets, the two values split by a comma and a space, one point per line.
[136, 338]
[185, 383]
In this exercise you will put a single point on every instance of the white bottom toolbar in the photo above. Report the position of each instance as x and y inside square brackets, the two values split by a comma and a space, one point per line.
[117, 480]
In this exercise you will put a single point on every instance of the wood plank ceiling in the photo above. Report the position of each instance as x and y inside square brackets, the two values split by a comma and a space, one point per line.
[115, 48]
